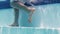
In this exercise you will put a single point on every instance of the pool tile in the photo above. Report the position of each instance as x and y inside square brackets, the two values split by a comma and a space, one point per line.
[55, 32]
[26, 31]
[40, 31]
[5, 30]
[49, 31]
[13, 31]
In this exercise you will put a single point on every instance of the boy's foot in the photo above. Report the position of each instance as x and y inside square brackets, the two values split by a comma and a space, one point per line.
[14, 25]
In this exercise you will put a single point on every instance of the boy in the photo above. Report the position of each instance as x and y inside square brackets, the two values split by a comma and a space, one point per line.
[16, 10]
[29, 6]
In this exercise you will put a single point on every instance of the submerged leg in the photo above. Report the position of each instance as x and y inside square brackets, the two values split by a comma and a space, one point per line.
[16, 17]
[30, 8]
[30, 16]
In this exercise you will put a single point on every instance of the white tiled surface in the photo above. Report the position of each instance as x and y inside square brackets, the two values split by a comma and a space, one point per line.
[19, 30]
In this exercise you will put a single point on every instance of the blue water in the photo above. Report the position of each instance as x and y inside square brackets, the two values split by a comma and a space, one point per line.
[49, 17]
[6, 16]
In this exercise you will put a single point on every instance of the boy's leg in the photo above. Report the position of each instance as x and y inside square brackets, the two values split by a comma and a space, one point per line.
[16, 5]
[27, 6]
[30, 8]
[16, 11]
[30, 16]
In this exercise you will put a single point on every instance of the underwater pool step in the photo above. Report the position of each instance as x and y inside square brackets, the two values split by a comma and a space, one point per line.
[16, 30]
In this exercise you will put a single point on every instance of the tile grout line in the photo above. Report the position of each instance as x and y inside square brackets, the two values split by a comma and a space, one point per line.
[17, 31]
[1, 29]
[9, 30]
